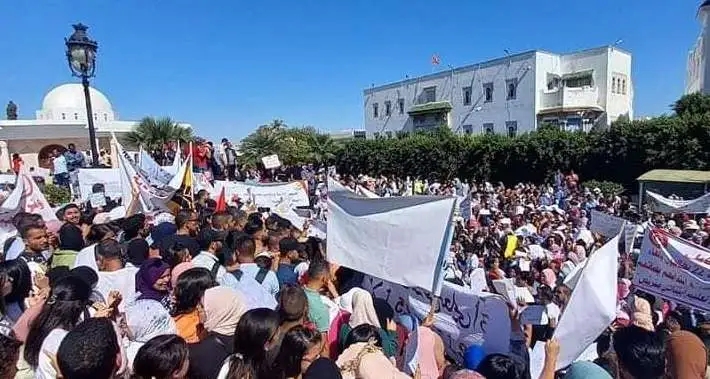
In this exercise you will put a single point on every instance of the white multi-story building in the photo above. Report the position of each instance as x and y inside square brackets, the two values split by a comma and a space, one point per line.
[511, 95]
[698, 67]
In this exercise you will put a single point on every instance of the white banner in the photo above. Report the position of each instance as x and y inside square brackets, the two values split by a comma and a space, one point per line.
[674, 269]
[280, 197]
[7, 178]
[378, 236]
[606, 224]
[152, 171]
[592, 305]
[463, 318]
[109, 177]
[662, 204]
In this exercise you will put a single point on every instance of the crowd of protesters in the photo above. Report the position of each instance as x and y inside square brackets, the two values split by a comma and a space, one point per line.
[244, 294]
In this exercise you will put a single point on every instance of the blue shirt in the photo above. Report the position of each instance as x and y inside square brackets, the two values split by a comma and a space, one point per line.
[254, 294]
[271, 283]
[286, 274]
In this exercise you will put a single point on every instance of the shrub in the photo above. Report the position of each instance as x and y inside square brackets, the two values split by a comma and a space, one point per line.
[56, 195]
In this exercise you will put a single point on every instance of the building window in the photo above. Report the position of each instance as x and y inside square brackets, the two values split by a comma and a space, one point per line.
[389, 134]
[553, 82]
[76, 116]
[512, 127]
[579, 82]
[359, 134]
[64, 116]
[375, 111]
[429, 94]
[488, 128]
[388, 108]
[468, 129]
[613, 85]
[105, 117]
[512, 87]
[623, 86]
[467, 96]
[96, 117]
[488, 92]
[400, 105]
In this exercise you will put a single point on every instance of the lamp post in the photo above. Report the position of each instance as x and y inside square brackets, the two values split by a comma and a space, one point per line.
[81, 56]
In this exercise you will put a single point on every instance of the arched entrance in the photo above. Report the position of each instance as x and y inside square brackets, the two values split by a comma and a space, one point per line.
[44, 157]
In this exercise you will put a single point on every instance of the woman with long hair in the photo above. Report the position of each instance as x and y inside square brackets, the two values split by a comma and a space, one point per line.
[162, 357]
[300, 346]
[254, 350]
[189, 289]
[17, 285]
[66, 304]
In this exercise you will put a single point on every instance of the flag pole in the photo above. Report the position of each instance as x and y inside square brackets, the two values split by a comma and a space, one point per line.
[192, 179]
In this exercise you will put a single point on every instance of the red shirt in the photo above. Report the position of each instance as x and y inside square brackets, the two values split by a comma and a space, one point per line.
[199, 156]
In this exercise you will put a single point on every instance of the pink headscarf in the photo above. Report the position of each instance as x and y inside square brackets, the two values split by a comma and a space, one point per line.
[179, 269]
[549, 278]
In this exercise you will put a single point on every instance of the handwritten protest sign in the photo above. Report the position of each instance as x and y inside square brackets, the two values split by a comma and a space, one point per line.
[674, 269]
[271, 161]
[462, 318]
[283, 196]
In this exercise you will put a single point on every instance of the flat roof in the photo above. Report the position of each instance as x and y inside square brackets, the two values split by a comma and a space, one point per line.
[677, 176]
[488, 63]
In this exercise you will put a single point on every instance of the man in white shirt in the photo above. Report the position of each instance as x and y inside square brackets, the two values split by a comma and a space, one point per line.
[113, 274]
[212, 244]
[245, 255]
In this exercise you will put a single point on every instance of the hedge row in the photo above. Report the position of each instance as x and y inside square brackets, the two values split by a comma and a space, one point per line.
[619, 154]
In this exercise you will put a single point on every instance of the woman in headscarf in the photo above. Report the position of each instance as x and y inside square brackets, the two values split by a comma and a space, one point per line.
[153, 281]
[642, 314]
[223, 309]
[71, 241]
[363, 357]
[364, 313]
[686, 356]
[145, 319]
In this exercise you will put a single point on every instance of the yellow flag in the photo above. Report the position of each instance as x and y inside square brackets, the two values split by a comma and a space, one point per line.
[510, 245]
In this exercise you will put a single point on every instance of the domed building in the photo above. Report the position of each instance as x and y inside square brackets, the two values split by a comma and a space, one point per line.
[60, 121]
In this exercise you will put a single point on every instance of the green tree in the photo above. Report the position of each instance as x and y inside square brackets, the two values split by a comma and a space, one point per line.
[693, 104]
[152, 133]
[265, 140]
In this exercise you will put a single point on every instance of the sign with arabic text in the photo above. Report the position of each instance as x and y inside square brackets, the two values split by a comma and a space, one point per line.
[674, 269]
[462, 318]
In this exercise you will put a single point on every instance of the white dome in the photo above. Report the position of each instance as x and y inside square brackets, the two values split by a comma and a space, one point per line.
[71, 96]
[66, 102]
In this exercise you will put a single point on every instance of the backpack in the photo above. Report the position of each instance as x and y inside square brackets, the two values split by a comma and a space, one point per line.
[261, 275]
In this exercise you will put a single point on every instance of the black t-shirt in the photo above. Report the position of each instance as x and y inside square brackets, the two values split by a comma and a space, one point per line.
[208, 355]
[189, 242]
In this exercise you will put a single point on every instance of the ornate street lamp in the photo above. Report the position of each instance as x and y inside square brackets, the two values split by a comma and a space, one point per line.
[81, 56]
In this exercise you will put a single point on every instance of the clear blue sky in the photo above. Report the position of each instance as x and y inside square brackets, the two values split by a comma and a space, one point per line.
[228, 66]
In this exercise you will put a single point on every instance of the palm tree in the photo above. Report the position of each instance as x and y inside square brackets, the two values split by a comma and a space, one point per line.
[152, 133]
[321, 148]
[265, 140]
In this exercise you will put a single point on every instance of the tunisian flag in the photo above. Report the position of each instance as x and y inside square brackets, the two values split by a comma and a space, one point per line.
[221, 202]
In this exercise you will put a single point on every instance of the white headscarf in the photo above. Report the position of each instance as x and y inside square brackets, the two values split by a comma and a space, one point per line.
[363, 310]
[146, 319]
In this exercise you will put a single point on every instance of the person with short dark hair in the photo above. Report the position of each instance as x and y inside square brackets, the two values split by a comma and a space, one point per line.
[90, 351]
[290, 251]
[187, 223]
[641, 353]
[162, 357]
[318, 279]
[500, 366]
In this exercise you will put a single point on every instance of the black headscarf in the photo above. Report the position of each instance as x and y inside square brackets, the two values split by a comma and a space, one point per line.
[70, 238]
